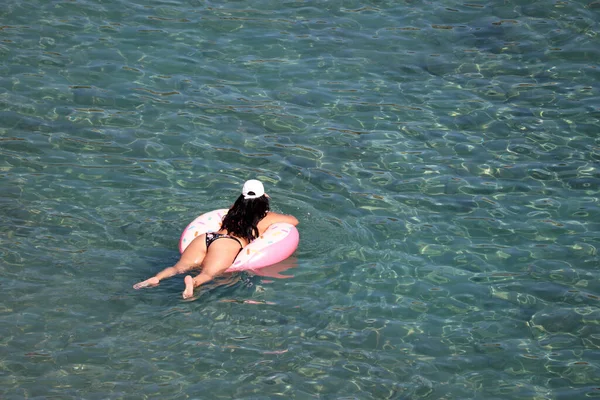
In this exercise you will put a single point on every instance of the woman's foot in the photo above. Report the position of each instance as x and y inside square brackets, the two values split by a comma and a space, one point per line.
[189, 287]
[147, 283]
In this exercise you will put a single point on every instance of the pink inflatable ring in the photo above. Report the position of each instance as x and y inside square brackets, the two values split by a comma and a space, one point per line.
[278, 242]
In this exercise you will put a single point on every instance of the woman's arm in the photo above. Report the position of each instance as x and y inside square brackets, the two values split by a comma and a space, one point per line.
[274, 218]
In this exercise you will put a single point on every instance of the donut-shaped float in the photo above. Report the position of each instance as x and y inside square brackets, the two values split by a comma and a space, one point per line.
[278, 242]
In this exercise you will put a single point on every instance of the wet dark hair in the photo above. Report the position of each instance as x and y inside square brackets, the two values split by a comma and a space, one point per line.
[243, 217]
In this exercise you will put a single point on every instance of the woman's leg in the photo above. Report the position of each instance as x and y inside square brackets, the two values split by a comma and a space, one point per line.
[220, 257]
[192, 257]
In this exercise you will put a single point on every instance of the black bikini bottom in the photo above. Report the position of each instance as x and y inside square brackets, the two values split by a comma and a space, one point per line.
[212, 236]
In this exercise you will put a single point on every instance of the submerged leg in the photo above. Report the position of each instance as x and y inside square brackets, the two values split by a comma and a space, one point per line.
[220, 257]
[147, 283]
[189, 287]
[192, 257]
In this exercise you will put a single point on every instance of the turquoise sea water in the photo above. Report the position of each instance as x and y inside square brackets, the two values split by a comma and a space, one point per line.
[443, 159]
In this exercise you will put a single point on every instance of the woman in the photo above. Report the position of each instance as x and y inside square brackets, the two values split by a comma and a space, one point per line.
[214, 252]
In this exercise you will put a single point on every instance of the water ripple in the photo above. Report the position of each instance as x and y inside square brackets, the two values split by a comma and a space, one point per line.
[442, 159]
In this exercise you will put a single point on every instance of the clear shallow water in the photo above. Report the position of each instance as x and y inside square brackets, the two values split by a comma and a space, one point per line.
[443, 159]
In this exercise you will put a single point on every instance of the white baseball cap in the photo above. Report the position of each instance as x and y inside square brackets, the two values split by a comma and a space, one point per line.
[253, 189]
